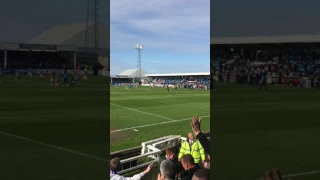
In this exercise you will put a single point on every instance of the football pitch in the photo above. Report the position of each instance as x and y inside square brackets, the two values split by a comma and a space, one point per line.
[253, 131]
[144, 113]
[53, 133]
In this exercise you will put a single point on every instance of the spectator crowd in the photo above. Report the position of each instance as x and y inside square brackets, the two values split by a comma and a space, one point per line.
[291, 68]
[202, 82]
[180, 82]
[192, 162]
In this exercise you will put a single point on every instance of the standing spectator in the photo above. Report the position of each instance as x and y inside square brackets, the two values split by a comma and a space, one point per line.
[189, 166]
[201, 174]
[167, 169]
[192, 146]
[195, 125]
[171, 155]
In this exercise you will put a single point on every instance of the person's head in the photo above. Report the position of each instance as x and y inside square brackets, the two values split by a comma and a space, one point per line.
[115, 164]
[167, 170]
[190, 136]
[187, 161]
[201, 174]
[170, 153]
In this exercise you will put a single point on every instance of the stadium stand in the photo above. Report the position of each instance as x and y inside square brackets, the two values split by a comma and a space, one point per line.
[60, 47]
[127, 77]
[295, 64]
[181, 80]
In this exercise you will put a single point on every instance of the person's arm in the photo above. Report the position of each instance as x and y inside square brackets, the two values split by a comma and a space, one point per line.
[138, 176]
[195, 124]
[204, 142]
[135, 177]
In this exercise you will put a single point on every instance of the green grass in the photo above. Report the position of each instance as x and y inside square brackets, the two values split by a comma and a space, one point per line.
[147, 105]
[253, 131]
[75, 118]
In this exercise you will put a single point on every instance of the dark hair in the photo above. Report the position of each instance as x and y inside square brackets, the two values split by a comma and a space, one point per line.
[202, 174]
[187, 158]
[115, 163]
[170, 150]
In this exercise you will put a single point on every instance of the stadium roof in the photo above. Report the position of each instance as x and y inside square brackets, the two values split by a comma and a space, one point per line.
[179, 74]
[315, 38]
[132, 73]
[73, 34]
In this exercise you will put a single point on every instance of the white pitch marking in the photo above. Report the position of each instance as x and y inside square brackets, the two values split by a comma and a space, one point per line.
[53, 146]
[143, 112]
[166, 122]
[302, 174]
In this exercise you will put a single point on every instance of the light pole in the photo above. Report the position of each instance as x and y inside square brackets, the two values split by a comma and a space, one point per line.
[139, 48]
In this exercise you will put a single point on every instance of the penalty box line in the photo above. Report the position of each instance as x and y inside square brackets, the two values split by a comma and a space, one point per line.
[53, 146]
[142, 112]
[147, 125]
[300, 174]
[155, 124]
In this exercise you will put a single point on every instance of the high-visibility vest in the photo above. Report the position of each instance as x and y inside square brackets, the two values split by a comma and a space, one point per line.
[196, 150]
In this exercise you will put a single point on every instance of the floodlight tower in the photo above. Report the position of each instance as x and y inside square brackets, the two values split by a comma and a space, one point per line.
[139, 48]
[92, 15]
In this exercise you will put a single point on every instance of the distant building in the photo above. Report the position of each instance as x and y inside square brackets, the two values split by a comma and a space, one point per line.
[65, 42]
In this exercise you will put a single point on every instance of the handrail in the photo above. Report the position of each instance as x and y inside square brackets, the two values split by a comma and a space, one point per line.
[137, 167]
[154, 144]
[138, 157]
[129, 163]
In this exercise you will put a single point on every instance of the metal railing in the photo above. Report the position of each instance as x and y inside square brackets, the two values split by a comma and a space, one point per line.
[152, 149]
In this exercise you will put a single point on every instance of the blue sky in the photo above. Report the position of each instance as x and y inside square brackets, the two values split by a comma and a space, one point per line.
[175, 35]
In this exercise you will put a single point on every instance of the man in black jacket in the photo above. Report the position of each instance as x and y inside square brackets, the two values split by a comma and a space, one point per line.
[195, 124]
[189, 166]
[171, 155]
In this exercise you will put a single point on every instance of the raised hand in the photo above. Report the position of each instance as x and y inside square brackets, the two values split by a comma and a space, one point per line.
[195, 124]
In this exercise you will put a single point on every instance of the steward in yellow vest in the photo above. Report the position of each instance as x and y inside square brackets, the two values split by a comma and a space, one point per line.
[192, 146]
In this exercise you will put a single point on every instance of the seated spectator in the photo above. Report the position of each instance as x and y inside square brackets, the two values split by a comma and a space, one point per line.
[114, 167]
[189, 166]
[167, 170]
[194, 147]
[201, 174]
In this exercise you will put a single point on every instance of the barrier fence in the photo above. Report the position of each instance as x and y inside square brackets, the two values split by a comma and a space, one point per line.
[152, 149]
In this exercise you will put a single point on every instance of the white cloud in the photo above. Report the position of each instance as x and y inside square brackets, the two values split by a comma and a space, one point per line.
[179, 25]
